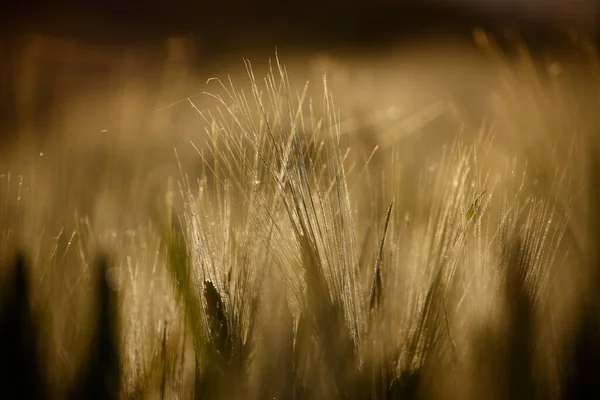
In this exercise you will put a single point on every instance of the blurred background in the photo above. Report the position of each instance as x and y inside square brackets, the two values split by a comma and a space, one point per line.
[79, 73]
[51, 47]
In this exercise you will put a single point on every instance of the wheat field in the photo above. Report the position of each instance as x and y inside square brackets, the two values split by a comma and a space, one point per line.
[397, 226]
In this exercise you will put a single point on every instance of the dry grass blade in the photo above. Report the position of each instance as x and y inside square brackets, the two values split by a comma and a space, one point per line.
[21, 373]
[218, 324]
[101, 374]
[583, 350]
[376, 286]
[520, 321]
[214, 377]
[178, 263]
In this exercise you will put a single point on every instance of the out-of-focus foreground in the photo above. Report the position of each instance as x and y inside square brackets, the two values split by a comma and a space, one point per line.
[419, 224]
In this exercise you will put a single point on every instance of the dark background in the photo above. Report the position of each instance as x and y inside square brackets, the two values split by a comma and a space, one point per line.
[223, 25]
